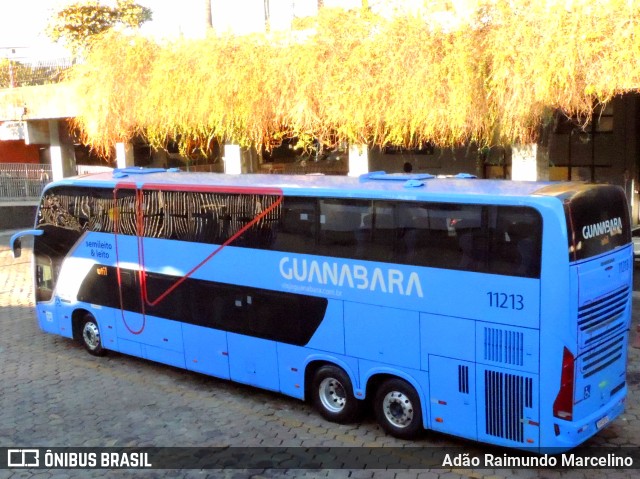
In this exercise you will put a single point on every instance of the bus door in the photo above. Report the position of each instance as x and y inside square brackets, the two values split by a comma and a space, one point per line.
[50, 249]
[44, 283]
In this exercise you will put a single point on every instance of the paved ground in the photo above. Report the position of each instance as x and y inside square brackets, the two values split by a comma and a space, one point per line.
[53, 394]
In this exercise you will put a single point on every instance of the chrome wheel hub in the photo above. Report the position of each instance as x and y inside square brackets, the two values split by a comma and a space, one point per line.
[397, 409]
[91, 335]
[332, 395]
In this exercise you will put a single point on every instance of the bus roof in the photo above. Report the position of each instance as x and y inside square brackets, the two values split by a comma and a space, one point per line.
[392, 186]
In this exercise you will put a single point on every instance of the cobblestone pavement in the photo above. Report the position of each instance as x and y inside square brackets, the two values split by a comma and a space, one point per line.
[53, 394]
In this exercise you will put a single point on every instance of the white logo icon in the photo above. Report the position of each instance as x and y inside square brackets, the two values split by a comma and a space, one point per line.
[23, 458]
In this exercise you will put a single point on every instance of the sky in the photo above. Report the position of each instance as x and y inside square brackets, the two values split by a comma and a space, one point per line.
[22, 22]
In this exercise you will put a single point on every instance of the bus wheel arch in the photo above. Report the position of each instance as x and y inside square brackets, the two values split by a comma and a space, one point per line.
[397, 406]
[87, 331]
[76, 323]
[331, 391]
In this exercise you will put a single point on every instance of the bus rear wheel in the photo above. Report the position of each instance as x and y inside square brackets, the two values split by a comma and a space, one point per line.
[91, 336]
[333, 395]
[397, 409]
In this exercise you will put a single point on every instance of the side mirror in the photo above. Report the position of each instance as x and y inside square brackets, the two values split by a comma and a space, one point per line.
[16, 241]
[17, 248]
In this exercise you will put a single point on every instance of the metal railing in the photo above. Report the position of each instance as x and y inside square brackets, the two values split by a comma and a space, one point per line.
[214, 168]
[306, 168]
[15, 73]
[91, 169]
[23, 181]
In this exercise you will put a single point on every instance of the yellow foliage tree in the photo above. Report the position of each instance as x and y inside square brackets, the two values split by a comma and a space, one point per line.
[404, 79]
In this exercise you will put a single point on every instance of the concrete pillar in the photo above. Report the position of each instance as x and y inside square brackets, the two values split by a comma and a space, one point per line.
[61, 150]
[67, 149]
[358, 160]
[232, 159]
[55, 151]
[251, 160]
[529, 162]
[124, 155]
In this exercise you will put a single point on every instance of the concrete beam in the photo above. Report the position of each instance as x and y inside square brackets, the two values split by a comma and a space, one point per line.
[43, 102]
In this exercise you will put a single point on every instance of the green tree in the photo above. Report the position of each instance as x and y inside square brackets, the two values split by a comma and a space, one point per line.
[77, 24]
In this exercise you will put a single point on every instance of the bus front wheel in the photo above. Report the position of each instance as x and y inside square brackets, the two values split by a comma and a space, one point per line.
[397, 409]
[333, 395]
[91, 336]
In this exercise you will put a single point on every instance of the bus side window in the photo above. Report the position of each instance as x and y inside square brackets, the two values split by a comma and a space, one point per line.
[529, 262]
[286, 317]
[211, 220]
[215, 305]
[412, 222]
[172, 304]
[475, 251]
[457, 239]
[263, 215]
[131, 300]
[377, 234]
[153, 214]
[297, 226]
[341, 222]
[80, 209]
[102, 212]
[125, 213]
[516, 241]
[177, 210]
[100, 286]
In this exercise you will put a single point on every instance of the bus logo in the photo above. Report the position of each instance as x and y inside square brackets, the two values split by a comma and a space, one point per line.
[612, 226]
[391, 280]
[23, 458]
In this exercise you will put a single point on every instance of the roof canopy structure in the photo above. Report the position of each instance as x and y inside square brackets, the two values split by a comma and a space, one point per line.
[493, 77]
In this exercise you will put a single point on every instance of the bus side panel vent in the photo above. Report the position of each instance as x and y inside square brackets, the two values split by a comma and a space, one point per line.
[463, 379]
[503, 346]
[505, 398]
[528, 392]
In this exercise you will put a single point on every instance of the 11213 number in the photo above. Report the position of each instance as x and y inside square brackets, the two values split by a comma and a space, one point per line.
[506, 301]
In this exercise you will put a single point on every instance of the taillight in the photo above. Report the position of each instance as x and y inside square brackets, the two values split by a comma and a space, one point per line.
[563, 405]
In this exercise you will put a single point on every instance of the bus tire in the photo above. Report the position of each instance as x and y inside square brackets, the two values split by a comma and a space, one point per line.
[91, 338]
[397, 409]
[333, 395]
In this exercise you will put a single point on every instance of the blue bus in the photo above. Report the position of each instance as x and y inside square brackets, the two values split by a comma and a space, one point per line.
[492, 310]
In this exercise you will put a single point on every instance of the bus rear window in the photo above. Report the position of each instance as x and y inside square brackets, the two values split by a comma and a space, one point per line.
[597, 221]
